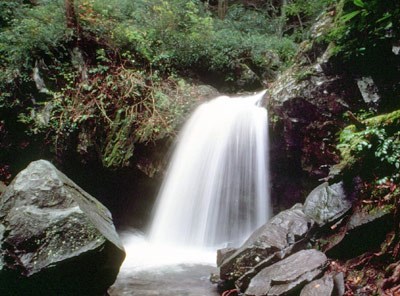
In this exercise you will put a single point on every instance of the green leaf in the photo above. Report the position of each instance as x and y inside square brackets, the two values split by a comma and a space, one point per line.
[350, 15]
[359, 3]
[385, 17]
[389, 26]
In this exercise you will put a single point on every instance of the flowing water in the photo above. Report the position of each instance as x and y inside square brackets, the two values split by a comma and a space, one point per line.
[215, 191]
[215, 194]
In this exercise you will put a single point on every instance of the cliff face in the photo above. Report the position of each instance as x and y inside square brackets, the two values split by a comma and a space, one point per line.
[309, 106]
[307, 103]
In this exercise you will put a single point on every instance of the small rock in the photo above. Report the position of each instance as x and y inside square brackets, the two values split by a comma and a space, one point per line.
[339, 287]
[396, 49]
[247, 78]
[368, 89]
[3, 187]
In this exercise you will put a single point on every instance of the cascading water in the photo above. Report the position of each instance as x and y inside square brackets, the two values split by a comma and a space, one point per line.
[215, 192]
[216, 187]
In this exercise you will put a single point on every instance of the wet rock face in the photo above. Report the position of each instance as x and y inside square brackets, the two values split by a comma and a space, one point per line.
[55, 238]
[307, 115]
[306, 106]
[288, 275]
[266, 245]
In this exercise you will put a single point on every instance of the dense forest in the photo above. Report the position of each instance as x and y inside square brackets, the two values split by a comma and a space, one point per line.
[108, 83]
[99, 77]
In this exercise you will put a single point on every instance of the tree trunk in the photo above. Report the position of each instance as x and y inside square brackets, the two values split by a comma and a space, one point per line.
[70, 15]
[222, 8]
[72, 23]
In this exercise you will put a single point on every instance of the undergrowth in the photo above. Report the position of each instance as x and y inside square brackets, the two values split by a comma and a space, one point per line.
[373, 150]
[116, 107]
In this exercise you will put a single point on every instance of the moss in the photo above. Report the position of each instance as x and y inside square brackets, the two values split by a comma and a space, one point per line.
[384, 120]
[305, 74]
[373, 148]
[349, 139]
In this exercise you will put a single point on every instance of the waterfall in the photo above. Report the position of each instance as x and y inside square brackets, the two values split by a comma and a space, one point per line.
[216, 187]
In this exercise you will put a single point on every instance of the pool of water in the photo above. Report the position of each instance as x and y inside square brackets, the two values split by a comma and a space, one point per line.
[164, 270]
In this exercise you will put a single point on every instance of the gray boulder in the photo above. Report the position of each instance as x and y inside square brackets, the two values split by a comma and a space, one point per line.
[222, 254]
[3, 187]
[55, 238]
[326, 203]
[288, 275]
[271, 242]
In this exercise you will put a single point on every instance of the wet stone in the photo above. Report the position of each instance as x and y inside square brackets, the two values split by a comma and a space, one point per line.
[326, 203]
[288, 275]
[278, 235]
[321, 287]
[55, 238]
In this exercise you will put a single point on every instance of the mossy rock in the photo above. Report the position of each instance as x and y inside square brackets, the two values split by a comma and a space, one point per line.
[389, 119]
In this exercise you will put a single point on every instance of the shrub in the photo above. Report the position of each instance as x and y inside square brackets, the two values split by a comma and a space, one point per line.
[365, 28]
[37, 32]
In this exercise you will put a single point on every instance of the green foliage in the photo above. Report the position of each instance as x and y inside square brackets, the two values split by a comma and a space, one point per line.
[182, 34]
[366, 27]
[375, 148]
[248, 21]
[167, 35]
[36, 32]
[164, 33]
[8, 9]
[249, 37]
[300, 15]
[31, 34]
[124, 89]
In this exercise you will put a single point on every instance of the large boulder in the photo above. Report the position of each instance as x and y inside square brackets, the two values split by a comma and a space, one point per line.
[288, 275]
[271, 242]
[327, 203]
[55, 238]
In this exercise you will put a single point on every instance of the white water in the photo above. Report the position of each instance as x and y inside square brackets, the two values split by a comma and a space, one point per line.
[151, 269]
[144, 255]
[215, 190]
